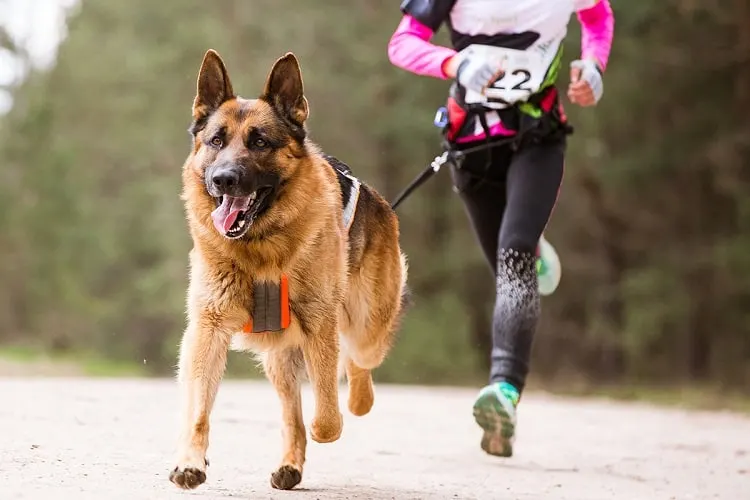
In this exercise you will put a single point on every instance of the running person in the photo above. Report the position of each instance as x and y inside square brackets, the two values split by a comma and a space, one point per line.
[505, 62]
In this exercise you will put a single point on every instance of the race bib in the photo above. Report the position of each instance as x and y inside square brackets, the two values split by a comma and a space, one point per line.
[524, 72]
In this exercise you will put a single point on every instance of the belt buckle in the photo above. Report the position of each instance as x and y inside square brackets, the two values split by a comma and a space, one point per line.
[441, 117]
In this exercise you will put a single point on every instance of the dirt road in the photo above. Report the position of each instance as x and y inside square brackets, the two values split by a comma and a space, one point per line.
[112, 439]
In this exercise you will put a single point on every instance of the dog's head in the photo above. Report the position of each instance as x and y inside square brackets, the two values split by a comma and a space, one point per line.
[244, 151]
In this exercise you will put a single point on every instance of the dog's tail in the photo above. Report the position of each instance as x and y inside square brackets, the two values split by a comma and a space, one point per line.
[406, 295]
[406, 299]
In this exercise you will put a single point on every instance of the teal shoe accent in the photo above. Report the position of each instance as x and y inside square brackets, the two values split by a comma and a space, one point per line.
[510, 392]
[495, 413]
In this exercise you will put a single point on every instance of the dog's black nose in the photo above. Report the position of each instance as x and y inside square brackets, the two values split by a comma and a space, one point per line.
[225, 179]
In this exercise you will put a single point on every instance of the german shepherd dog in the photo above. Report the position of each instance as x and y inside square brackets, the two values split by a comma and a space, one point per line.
[293, 259]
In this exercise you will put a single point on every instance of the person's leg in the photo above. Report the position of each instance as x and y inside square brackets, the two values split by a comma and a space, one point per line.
[483, 195]
[534, 178]
[533, 181]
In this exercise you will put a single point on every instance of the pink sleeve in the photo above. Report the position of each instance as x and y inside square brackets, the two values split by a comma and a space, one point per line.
[410, 49]
[598, 26]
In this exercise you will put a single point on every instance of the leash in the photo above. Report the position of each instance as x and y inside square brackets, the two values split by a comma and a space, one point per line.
[449, 155]
[423, 176]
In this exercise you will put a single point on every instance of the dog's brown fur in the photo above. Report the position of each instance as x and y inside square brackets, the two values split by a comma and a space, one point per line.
[345, 287]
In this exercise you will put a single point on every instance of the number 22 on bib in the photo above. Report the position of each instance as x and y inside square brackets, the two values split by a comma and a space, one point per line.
[524, 72]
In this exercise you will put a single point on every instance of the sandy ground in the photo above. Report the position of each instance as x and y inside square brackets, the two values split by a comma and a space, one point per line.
[78, 438]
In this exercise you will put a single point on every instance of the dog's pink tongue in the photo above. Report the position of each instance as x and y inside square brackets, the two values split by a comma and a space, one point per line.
[226, 214]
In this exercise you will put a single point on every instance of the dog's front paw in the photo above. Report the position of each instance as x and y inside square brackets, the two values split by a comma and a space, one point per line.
[327, 430]
[189, 475]
[286, 477]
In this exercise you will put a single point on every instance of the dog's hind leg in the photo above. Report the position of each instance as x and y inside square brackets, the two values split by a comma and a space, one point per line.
[284, 369]
[203, 357]
[361, 396]
[359, 380]
[369, 320]
[374, 308]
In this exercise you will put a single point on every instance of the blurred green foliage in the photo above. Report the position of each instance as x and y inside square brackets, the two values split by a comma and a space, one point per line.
[653, 223]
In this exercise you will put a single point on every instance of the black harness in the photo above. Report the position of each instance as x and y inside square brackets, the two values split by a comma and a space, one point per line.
[349, 186]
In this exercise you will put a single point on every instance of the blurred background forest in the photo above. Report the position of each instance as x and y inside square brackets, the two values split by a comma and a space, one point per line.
[652, 226]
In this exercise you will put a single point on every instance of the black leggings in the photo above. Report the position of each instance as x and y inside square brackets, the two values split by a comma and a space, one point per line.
[509, 204]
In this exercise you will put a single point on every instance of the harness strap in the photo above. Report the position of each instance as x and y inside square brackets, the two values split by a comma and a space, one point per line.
[351, 205]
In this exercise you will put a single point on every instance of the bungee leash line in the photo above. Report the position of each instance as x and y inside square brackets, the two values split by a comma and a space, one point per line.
[449, 155]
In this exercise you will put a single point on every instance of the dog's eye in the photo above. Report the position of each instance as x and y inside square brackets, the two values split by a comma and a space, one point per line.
[217, 142]
[260, 143]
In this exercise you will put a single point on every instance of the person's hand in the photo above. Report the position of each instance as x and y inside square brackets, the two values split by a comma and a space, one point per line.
[586, 85]
[472, 72]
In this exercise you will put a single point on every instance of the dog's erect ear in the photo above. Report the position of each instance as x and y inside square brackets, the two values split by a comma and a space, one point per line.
[214, 87]
[284, 89]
